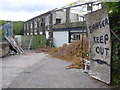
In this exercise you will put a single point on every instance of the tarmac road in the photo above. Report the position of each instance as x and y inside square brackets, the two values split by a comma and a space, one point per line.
[13, 65]
[37, 70]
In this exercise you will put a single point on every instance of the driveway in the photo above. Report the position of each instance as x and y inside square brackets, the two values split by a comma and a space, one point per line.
[12, 66]
[38, 70]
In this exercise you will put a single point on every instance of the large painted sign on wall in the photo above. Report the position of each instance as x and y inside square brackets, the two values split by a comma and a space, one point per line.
[99, 45]
[7, 28]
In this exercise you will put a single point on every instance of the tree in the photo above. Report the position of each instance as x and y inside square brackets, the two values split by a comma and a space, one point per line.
[114, 14]
[2, 22]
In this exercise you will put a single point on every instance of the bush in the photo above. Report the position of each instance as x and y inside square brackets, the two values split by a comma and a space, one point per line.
[114, 14]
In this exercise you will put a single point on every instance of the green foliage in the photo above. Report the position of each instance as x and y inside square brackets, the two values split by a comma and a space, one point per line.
[2, 22]
[17, 28]
[0, 35]
[114, 14]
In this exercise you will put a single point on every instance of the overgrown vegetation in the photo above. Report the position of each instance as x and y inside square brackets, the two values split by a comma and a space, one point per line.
[0, 35]
[114, 14]
[17, 28]
[2, 22]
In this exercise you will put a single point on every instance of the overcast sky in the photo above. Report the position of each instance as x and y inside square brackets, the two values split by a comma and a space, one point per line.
[22, 10]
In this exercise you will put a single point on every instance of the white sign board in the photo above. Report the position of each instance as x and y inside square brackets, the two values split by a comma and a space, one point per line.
[99, 45]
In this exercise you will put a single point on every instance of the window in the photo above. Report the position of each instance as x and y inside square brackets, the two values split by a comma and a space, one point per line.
[76, 37]
[41, 24]
[58, 21]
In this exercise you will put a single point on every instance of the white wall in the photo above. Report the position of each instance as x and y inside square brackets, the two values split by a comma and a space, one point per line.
[47, 20]
[47, 34]
[74, 17]
[60, 38]
[18, 38]
[62, 15]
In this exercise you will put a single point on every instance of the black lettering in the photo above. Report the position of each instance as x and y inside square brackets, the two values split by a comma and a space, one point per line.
[106, 22]
[106, 51]
[102, 50]
[97, 50]
[97, 39]
[103, 23]
[90, 28]
[94, 40]
[93, 27]
[101, 39]
[106, 38]
[100, 26]
[97, 25]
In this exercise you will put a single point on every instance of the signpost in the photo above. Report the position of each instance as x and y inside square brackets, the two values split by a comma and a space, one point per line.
[99, 45]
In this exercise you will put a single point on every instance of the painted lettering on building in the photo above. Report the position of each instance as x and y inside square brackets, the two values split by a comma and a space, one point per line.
[99, 44]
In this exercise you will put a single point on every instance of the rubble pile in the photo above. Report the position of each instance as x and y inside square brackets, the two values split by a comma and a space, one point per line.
[69, 52]
[45, 49]
[72, 50]
[72, 53]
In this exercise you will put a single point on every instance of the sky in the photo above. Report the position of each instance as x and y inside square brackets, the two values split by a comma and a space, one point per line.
[22, 10]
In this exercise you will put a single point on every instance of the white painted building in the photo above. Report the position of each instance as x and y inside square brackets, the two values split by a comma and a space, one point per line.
[60, 38]
[60, 17]
[65, 36]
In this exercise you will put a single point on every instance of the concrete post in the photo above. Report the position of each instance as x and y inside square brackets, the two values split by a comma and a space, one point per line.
[43, 27]
[38, 27]
[90, 7]
[25, 28]
[51, 25]
[67, 15]
[29, 28]
[33, 24]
